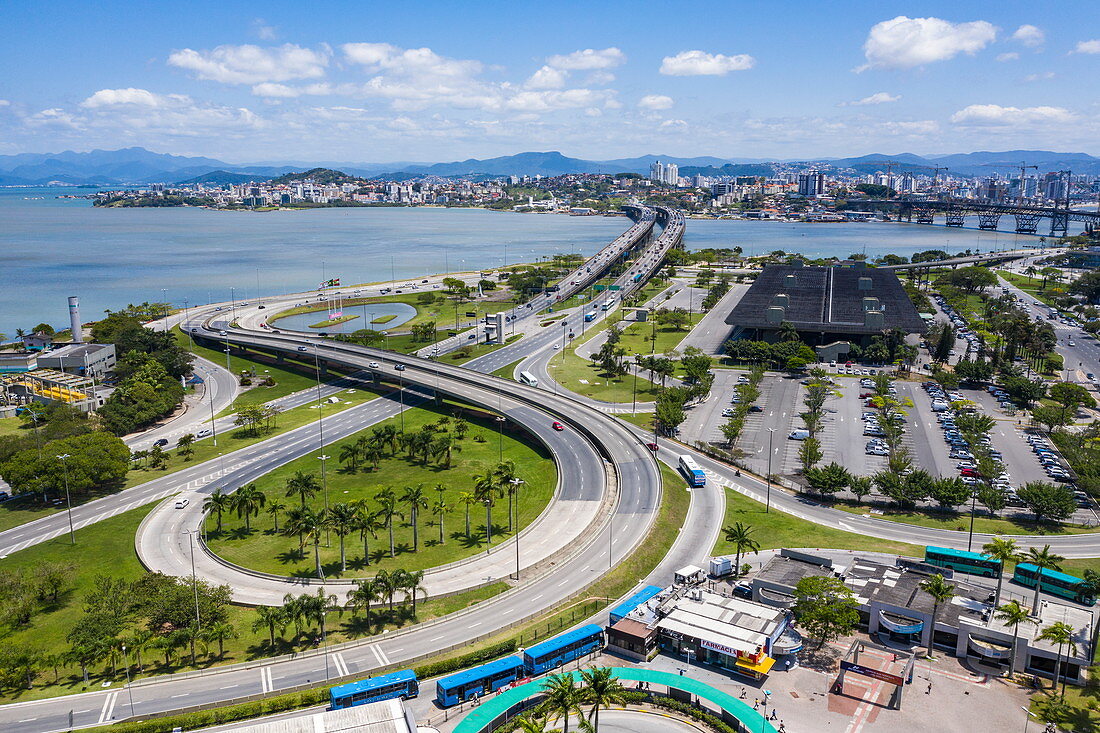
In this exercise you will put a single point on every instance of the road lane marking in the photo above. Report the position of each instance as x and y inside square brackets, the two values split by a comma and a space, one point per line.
[108, 707]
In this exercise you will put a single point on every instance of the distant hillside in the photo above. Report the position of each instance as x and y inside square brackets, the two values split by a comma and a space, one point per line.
[221, 178]
[138, 166]
[324, 176]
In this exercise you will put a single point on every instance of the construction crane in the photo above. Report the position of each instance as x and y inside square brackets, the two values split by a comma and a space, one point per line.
[891, 163]
[1023, 166]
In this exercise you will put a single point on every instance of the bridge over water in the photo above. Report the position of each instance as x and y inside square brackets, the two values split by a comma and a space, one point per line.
[954, 212]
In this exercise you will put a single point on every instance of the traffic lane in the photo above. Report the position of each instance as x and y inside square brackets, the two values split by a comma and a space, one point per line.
[781, 408]
[930, 451]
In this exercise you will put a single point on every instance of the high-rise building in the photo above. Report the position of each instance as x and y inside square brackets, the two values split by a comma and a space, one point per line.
[668, 174]
[1054, 187]
[811, 184]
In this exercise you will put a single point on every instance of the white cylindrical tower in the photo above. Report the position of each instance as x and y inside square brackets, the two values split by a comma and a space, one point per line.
[74, 319]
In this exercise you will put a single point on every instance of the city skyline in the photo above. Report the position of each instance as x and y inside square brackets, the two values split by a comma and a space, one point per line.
[378, 85]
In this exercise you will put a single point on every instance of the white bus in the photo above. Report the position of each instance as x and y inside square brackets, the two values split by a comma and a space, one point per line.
[529, 379]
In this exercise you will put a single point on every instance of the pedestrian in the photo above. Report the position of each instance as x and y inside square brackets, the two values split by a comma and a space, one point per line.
[774, 716]
[929, 690]
[782, 728]
[742, 693]
[755, 703]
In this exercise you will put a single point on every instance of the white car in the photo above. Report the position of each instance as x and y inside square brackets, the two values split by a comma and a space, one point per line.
[373, 365]
[203, 433]
[181, 503]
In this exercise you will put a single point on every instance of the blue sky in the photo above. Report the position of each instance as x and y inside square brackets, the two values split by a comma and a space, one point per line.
[432, 81]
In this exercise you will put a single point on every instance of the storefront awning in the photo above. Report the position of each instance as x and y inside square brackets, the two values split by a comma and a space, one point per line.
[762, 667]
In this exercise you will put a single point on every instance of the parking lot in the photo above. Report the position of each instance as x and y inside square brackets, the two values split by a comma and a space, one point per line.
[842, 435]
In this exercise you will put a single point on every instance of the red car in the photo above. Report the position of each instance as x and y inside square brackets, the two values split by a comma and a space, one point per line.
[970, 472]
[557, 426]
[652, 446]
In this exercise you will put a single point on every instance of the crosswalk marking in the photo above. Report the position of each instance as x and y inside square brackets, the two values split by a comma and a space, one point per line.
[108, 710]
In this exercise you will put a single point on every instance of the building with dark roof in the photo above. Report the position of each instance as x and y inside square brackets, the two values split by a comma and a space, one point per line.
[825, 304]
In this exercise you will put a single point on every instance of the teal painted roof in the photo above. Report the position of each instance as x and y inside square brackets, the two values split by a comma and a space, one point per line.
[496, 705]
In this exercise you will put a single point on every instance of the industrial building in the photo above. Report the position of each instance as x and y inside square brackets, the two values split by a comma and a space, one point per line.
[824, 304]
[894, 609]
[90, 360]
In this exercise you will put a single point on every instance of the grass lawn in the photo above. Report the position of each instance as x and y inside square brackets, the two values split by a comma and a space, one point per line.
[466, 353]
[266, 551]
[961, 521]
[1031, 286]
[12, 426]
[641, 419]
[778, 529]
[507, 370]
[107, 548]
[1084, 706]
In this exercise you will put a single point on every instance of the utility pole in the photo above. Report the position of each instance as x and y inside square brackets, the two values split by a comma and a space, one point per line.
[68, 502]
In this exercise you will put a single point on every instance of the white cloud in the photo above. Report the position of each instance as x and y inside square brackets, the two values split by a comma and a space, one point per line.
[409, 61]
[598, 78]
[547, 101]
[1029, 35]
[1089, 47]
[250, 64]
[4, 103]
[674, 124]
[588, 59]
[131, 96]
[263, 30]
[1042, 76]
[271, 89]
[655, 102]
[547, 78]
[903, 42]
[1010, 56]
[876, 98]
[995, 115]
[701, 63]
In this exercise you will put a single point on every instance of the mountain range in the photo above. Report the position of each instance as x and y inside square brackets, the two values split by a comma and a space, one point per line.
[138, 166]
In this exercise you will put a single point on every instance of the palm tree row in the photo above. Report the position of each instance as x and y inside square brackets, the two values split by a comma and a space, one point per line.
[307, 611]
[599, 688]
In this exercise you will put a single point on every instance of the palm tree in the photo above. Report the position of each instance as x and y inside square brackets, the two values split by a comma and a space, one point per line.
[529, 724]
[439, 508]
[740, 535]
[247, 501]
[342, 521]
[1059, 633]
[505, 473]
[600, 689]
[308, 524]
[273, 508]
[186, 446]
[386, 585]
[1013, 614]
[562, 698]
[414, 497]
[139, 641]
[1005, 550]
[485, 489]
[941, 592]
[365, 593]
[467, 499]
[412, 584]
[270, 618]
[387, 508]
[350, 454]
[218, 502]
[366, 523]
[219, 631]
[1042, 559]
[303, 485]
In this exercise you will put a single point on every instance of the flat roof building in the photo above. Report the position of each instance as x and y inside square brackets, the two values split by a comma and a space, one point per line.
[824, 304]
[91, 360]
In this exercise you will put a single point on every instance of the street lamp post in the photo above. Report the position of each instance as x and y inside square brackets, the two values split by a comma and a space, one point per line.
[194, 578]
[973, 506]
[129, 690]
[324, 641]
[768, 503]
[324, 488]
[764, 724]
[634, 389]
[517, 482]
[68, 502]
[164, 302]
[213, 428]
[500, 438]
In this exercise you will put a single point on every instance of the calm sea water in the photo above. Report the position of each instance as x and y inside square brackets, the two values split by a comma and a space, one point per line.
[52, 248]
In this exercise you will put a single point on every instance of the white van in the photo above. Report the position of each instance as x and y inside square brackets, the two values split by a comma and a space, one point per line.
[799, 435]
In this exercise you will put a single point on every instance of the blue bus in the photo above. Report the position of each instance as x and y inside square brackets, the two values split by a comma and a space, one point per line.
[974, 563]
[1056, 583]
[401, 684]
[589, 317]
[563, 649]
[477, 681]
[694, 475]
[637, 277]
